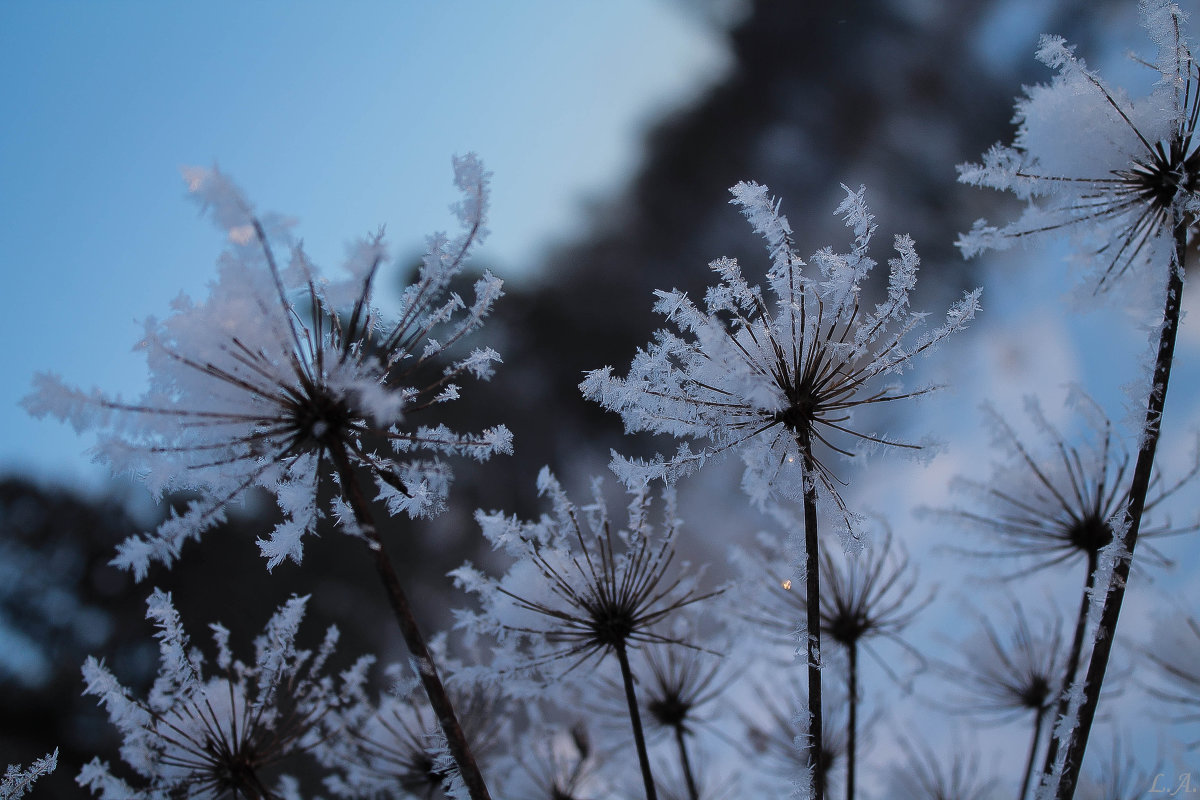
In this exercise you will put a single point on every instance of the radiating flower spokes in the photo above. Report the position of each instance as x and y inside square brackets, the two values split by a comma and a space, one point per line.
[776, 380]
[1058, 497]
[581, 586]
[280, 377]
[1126, 184]
[208, 737]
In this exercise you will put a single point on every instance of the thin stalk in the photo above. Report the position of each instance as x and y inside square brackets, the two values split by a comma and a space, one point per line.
[813, 601]
[686, 764]
[439, 701]
[1073, 657]
[1033, 746]
[1139, 486]
[635, 718]
[852, 743]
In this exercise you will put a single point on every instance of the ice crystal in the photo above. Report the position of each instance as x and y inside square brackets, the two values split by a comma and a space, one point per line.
[1119, 174]
[17, 781]
[200, 736]
[778, 380]
[280, 376]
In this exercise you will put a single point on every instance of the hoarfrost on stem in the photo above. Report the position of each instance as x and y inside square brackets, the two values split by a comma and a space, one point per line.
[17, 781]
[280, 376]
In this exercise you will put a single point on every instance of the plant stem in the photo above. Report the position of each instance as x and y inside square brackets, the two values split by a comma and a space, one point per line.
[813, 609]
[686, 764]
[635, 718]
[1139, 486]
[852, 743]
[1072, 658]
[456, 740]
[1033, 746]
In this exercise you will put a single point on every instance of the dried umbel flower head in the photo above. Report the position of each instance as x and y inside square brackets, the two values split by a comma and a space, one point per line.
[865, 596]
[580, 587]
[395, 748]
[1058, 498]
[777, 733]
[216, 737]
[1122, 176]
[776, 380]
[558, 764]
[1009, 671]
[280, 377]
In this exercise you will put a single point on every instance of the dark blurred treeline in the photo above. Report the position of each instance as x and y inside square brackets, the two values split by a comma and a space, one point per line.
[890, 94]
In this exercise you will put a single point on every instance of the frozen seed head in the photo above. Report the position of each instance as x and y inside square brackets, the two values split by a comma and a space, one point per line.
[1011, 671]
[864, 596]
[222, 736]
[1128, 184]
[1057, 498]
[395, 748]
[777, 380]
[580, 586]
[281, 377]
[777, 731]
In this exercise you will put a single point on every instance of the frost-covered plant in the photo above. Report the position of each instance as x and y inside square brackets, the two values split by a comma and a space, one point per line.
[394, 748]
[17, 781]
[1011, 672]
[282, 379]
[778, 741]
[1126, 187]
[1122, 176]
[557, 764]
[678, 683]
[1058, 500]
[864, 596]
[199, 735]
[779, 381]
[582, 589]
[776, 381]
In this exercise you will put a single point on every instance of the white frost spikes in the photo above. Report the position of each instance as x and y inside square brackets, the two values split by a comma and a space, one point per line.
[1120, 175]
[774, 379]
[218, 736]
[281, 376]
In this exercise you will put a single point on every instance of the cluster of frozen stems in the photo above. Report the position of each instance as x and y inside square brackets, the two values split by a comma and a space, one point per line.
[288, 381]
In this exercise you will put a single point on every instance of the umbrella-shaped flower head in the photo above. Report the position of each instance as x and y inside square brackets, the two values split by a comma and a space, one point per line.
[280, 376]
[777, 379]
[224, 735]
[1121, 175]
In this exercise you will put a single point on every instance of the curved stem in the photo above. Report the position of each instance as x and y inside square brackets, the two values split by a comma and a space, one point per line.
[439, 701]
[1139, 486]
[635, 718]
[813, 609]
[1073, 657]
[852, 742]
[686, 764]
[1033, 746]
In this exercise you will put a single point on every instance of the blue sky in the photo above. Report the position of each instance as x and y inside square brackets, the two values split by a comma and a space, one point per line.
[345, 117]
